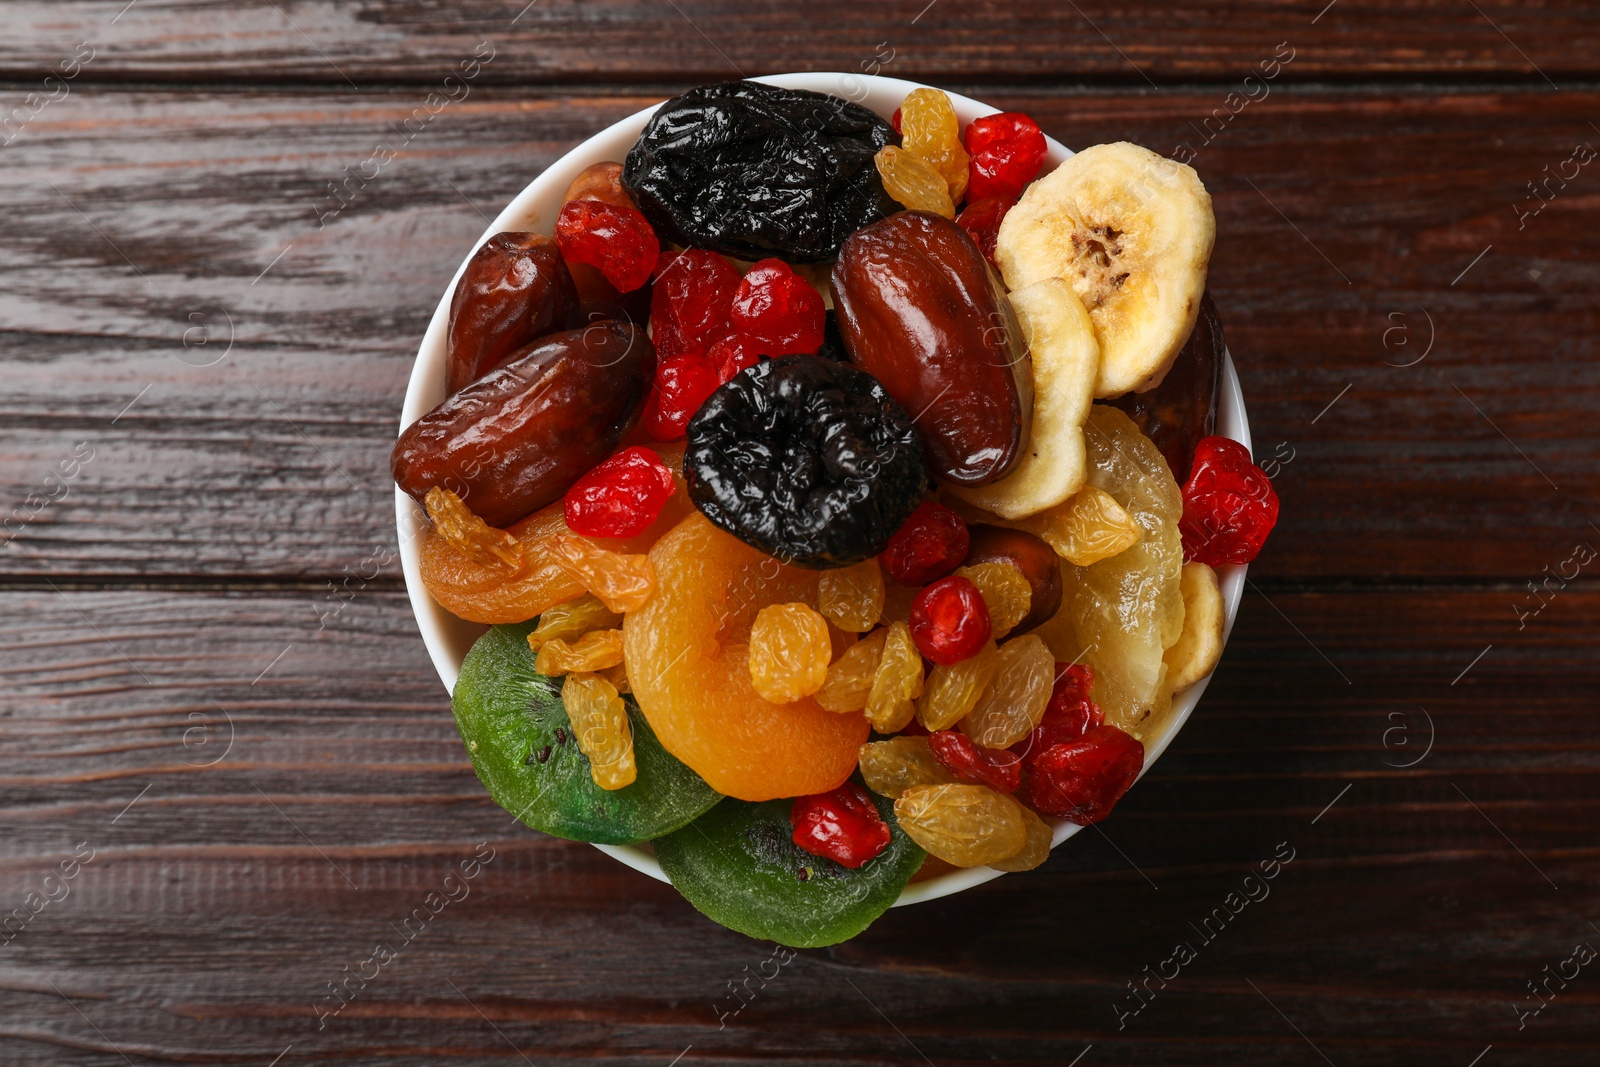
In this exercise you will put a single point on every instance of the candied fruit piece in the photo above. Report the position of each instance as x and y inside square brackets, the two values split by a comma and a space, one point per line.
[842, 825]
[621, 496]
[898, 683]
[600, 727]
[470, 535]
[953, 691]
[1120, 615]
[682, 385]
[1017, 697]
[731, 355]
[1229, 505]
[1007, 151]
[914, 184]
[850, 677]
[927, 546]
[949, 621]
[852, 597]
[594, 651]
[891, 767]
[965, 825]
[572, 620]
[615, 240]
[1006, 593]
[982, 218]
[1037, 848]
[1088, 527]
[622, 582]
[777, 312]
[1068, 716]
[789, 652]
[931, 131]
[690, 302]
[1081, 781]
[968, 761]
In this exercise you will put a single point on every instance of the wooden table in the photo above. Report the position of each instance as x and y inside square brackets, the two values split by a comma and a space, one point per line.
[215, 693]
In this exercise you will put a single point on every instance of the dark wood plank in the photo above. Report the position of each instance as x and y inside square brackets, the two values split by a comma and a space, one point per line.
[217, 907]
[140, 224]
[343, 42]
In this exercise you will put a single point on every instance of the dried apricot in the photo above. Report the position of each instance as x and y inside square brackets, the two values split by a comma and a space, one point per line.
[688, 654]
[967, 825]
[594, 651]
[891, 767]
[898, 683]
[789, 652]
[1015, 700]
[852, 597]
[850, 677]
[953, 691]
[600, 726]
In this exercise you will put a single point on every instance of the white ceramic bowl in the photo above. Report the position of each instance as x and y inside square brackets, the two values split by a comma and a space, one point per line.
[534, 209]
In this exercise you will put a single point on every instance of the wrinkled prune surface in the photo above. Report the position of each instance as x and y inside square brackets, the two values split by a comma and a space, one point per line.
[806, 459]
[752, 170]
[1181, 410]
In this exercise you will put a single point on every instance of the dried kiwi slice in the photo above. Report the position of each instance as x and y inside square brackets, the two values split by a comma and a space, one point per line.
[739, 866]
[510, 715]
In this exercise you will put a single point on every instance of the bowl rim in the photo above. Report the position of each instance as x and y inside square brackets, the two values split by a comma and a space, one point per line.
[447, 638]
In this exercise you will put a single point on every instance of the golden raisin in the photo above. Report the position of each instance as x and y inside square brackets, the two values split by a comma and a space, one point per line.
[1006, 593]
[898, 683]
[913, 183]
[891, 767]
[1016, 698]
[470, 535]
[953, 691]
[1037, 847]
[1089, 527]
[572, 620]
[622, 582]
[789, 652]
[850, 676]
[930, 130]
[594, 651]
[617, 676]
[852, 597]
[967, 825]
[600, 726]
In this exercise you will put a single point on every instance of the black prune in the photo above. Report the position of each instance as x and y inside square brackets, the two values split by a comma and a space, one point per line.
[753, 170]
[1181, 410]
[807, 459]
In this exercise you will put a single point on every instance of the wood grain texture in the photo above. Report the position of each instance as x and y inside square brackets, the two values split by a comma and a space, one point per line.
[352, 43]
[147, 229]
[222, 901]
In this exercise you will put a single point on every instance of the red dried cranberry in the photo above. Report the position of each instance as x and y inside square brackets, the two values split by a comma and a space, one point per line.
[690, 301]
[1007, 151]
[949, 621]
[1229, 506]
[894, 120]
[621, 496]
[681, 386]
[777, 311]
[930, 544]
[1082, 780]
[843, 826]
[732, 355]
[971, 762]
[615, 240]
[1069, 715]
[981, 219]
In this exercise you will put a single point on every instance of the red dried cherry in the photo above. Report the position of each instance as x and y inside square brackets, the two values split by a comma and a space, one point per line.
[690, 301]
[981, 219]
[621, 496]
[930, 544]
[971, 762]
[777, 311]
[1229, 506]
[843, 826]
[894, 120]
[1081, 781]
[681, 386]
[732, 355]
[1069, 715]
[949, 621]
[615, 240]
[1007, 151]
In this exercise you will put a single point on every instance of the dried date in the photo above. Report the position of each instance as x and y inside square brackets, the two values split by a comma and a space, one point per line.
[516, 288]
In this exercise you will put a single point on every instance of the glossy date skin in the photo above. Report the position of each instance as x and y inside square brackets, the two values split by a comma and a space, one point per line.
[516, 289]
[920, 310]
[1181, 410]
[516, 439]
[1036, 560]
